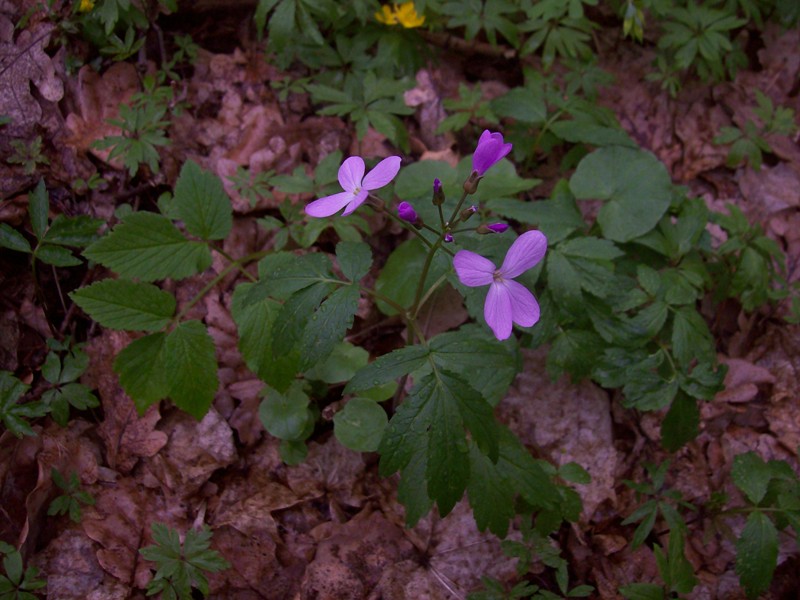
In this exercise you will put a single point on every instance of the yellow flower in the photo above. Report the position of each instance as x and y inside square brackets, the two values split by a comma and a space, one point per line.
[404, 14]
[86, 6]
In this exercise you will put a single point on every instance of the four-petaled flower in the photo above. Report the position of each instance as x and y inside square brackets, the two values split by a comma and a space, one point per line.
[507, 302]
[405, 14]
[356, 186]
[490, 149]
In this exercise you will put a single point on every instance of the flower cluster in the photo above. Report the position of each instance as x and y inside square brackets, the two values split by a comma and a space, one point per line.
[404, 14]
[507, 301]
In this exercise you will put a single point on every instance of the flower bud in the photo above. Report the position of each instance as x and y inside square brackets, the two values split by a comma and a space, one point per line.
[448, 238]
[406, 212]
[492, 228]
[471, 184]
[468, 212]
[438, 193]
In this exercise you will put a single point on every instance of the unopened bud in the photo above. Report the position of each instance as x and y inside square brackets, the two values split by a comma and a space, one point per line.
[448, 238]
[468, 212]
[406, 212]
[492, 228]
[471, 184]
[438, 193]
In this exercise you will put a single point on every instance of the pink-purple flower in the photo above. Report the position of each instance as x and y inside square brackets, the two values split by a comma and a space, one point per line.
[356, 186]
[507, 302]
[490, 149]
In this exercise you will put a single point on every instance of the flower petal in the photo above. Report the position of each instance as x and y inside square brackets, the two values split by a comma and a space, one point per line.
[497, 310]
[524, 307]
[489, 150]
[382, 174]
[329, 205]
[525, 253]
[351, 173]
[473, 270]
[357, 201]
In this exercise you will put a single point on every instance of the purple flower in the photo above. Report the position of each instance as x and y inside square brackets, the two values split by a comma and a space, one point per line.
[490, 149]
[493, 228]
[406, 212]
[448, 238]
[356, 186]
[507, 302]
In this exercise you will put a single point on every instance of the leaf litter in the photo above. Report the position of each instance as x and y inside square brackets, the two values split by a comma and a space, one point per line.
[330, 527]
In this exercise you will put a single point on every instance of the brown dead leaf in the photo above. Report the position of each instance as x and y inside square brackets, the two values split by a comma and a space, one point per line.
[352, 557]
[116, 522]
[194, 451]
[98, 98]
[22, 62]
[572, 422]
[742, 381]
[126, 436]
[771, 190]
[18, 476]
[330, 468]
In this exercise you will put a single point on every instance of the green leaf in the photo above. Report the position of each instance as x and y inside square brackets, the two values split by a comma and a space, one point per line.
[13, 240]
[141, 370]
[691, 339]
[39, 209]
[488, 491]
[328, 325]
[191, 365]
[13, 414]
[360, 425]
[636, 185]
[355, 259]
[255, 315]
[56, 256]
[76, 231]
[202, 204]
[388, 368]
[523, 104]
[574, 473]
[406, 262]
[148, 246]
[286, 416]
[123, 304]
[751, 475]
[341, 365]
[642, 591]
[286, 273]
[682, 423]
[757, 554]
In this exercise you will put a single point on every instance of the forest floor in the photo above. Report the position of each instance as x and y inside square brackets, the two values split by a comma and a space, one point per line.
[331, 527]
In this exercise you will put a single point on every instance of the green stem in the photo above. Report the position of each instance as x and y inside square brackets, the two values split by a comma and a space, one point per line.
[457, 209]
[430, 291]
[239, 265]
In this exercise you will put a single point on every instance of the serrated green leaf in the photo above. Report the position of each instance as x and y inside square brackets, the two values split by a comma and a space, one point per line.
[141, 370]
[286, 273]
[255, 315]
[681, 424]
[13, 240]
[77, 231]
[148, 246]
[38, 209]
[56, 256]
[360, 425]
[691, 339]
[489, 497]
[355, 259]
[201, 203]
[574, 473]
[751, 475]
[191, 365]
[388, 368]
[642, 591]
[757, 554]
[123, 304]
[328, 325]
[636, 202]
